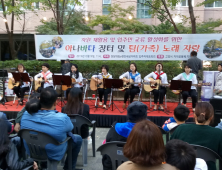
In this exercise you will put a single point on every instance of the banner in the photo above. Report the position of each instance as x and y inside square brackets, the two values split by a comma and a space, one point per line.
[128, 47]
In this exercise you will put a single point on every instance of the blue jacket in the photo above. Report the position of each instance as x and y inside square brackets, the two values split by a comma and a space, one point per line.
[9, 124]
[56, 124]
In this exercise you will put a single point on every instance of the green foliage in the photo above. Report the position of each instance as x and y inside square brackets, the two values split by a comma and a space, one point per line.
[75, 25]
[118, 22]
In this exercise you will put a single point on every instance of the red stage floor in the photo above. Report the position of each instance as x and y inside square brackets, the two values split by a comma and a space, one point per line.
[100, 111]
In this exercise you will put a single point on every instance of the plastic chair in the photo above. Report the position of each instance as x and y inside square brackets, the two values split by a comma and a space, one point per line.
[207, 154]
[78, 121]
[85, 88]
[37, 141]
[139, 94]
[115, 151]
[165, 101]
[27, 92]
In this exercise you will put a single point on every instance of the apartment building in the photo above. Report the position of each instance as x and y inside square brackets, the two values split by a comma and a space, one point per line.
[95, 7]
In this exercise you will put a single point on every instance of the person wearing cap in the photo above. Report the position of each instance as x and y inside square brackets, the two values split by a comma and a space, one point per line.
[46, 75]
[218, 85]
[136, 112]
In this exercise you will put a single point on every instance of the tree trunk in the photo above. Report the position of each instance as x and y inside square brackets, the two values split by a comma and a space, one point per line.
[192, 18]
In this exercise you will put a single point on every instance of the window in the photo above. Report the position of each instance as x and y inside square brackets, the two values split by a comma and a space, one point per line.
[185, 3]
[36, 5]
[142, 10]
[106, 27]
[106, 4]
[214, 4]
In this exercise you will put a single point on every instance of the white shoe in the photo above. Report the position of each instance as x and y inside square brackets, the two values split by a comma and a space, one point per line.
[193, 109]
[100, 103]
[104, 106]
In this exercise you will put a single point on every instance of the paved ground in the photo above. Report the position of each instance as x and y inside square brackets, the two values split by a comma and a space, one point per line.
[94, 163]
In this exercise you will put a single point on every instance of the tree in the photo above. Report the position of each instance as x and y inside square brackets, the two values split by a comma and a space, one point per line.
[76, 25]
[61, 9]
[117, 21]
[15, 10]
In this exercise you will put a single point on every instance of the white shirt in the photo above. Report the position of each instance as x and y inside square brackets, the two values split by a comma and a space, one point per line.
[154, 76]
[200, 164]
[181, 77]
[46, 84]
[79, 79]
[24, 83]
[101, 76]
[127, 75]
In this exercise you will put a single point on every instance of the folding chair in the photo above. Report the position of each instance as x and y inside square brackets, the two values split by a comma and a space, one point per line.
[115, 151]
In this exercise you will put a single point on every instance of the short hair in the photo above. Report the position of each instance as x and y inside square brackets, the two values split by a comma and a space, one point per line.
[186, 65]
[181, 113]
[220, 64]
[204, 111]
[193, 53]
[134, 65]
[145, 144]
[46, 65]
[180, 154]
[106, 67]
[67, 60]
[157, 64]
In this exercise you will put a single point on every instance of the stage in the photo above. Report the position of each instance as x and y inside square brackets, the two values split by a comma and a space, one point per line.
[104, 118]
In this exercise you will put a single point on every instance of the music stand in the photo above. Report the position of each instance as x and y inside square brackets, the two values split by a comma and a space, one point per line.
[181, 86]
[61, 80]
[3, 74]
[113, 83]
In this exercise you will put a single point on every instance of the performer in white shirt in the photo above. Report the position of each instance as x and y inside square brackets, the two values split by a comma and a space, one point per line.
[187, 76]
[45, 74]
[75, 74]
[136, 77]
[160, 93]
[218, 85]
[21, 89]
[103, 91]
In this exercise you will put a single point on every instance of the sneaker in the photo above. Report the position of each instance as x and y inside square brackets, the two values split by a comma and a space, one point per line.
[193, 109]
[100, 103]
[104, 106]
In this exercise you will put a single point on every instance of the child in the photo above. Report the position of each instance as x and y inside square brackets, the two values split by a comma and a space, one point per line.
[181, 114]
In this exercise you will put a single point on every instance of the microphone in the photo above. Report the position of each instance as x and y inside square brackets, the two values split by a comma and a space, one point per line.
[130, 70]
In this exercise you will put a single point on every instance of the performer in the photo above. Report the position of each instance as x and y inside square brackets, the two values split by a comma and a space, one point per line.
[103, 91]
[218, 85]
[187, 76]
[74, 73]
[21, 89]
[45, 74]
[136, 77]
[160, 93]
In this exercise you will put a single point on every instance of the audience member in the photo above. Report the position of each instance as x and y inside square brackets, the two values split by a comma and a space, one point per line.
[145, 148]
[183, 156]
[9, 157]
[75, 106]
[181, 114]
[201, 133]
[42, 116]
[19, 115]
[9, 124]
[136, 112]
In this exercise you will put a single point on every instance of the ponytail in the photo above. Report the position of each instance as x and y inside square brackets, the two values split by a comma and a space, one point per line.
[201, 118]
[204, 111]
[33, 106]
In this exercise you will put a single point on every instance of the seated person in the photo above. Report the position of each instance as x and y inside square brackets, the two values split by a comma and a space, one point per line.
[19, 114]
[42, 116]
[201, 133]
[10, 126]
[145, 148]
[136, 112]
[75, 106]
[183, 156]
[181, 114]
[9, 157]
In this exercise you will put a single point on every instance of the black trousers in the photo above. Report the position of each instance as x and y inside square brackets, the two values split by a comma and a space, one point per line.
[159, 94]
[68, 90]
[20, 92]
[39, 90]
[132, 92]
[104, 92]
[193, 94]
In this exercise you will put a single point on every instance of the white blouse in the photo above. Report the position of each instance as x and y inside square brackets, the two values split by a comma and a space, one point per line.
[154, 76]
[24, 83]
[101, 76]
[127, 75]
[181, 77]
[79, 79]
[46, 84]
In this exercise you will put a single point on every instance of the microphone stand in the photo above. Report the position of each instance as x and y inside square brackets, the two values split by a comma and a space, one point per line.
[130, 85]
[3, 100]
[96, 105]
